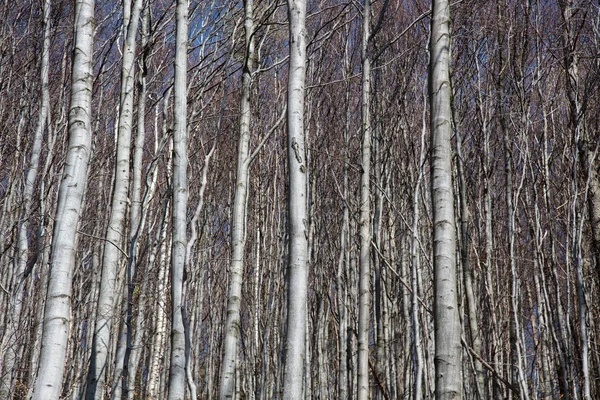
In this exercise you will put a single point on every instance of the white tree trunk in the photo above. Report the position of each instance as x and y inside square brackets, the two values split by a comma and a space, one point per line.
[137, 212]
[295, 346]
[416, 268]
[448, 363]
[238, 225]
[364, 301]
[112, 258]
[157, 350]
[180, 197]
[57, 313]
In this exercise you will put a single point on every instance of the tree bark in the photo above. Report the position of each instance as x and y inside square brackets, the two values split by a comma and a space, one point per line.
[364, 301]
[295, 345]
[64, 241]
[448, 363]
[238, 225]
[111, 261]
[157, 350]
[180, 198]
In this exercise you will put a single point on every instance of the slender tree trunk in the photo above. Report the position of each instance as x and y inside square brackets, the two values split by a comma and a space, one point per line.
[341, 281]
[416, 265]
[238, 226]
[57, 313]
[138, 212]
[364, 301]
[180, 197]
[109, 284]
[295, 346]
[448, 363]
[157, 354]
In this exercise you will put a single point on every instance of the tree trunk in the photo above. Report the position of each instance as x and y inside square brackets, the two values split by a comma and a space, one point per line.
[180, 197]
[57, 313]
[238, 225]
[111, 261]
[416, 266]
[157, 349]
[364, 302]
[138, 212]
[295, 346]
[448, 363]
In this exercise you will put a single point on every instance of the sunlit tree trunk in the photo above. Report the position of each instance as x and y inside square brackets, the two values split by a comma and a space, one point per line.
[238, 225]
[138, 212]
[180, 197]
[416, 270]
[448, 360]
[113, 253]
[57, 313]
[158, 342]
[295, 345]
[364, 301]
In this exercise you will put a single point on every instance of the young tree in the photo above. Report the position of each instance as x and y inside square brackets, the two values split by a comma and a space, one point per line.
[295, 345]
[364, 307]
[448, 364]
[57, 313]
[109, 284]
[239, 217]
[180, 199]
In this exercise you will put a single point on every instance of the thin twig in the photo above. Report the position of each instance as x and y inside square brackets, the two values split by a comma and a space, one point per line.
[106, 240]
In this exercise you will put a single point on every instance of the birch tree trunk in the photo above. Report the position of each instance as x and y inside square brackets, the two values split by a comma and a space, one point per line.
[157, 349]
[416, 266]
[448, 363]
[364, 285]
[109, 284]
[57, 313]
[295, 346]
[238, 225]
[137, 212]
[180, 197]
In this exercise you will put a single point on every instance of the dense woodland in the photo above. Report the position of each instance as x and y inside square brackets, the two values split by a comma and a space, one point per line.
[294, 199]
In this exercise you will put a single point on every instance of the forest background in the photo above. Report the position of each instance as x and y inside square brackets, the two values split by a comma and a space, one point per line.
[163, 166]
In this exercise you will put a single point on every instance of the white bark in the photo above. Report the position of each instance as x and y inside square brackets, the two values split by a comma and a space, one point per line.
[448, 363]
[416, 265]
[64, 241]
[158, 340]
[159, 247]
[180, 198]
[238, 225]
[364, 301]
[137, 214]
[295, 346]
[112, 258]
